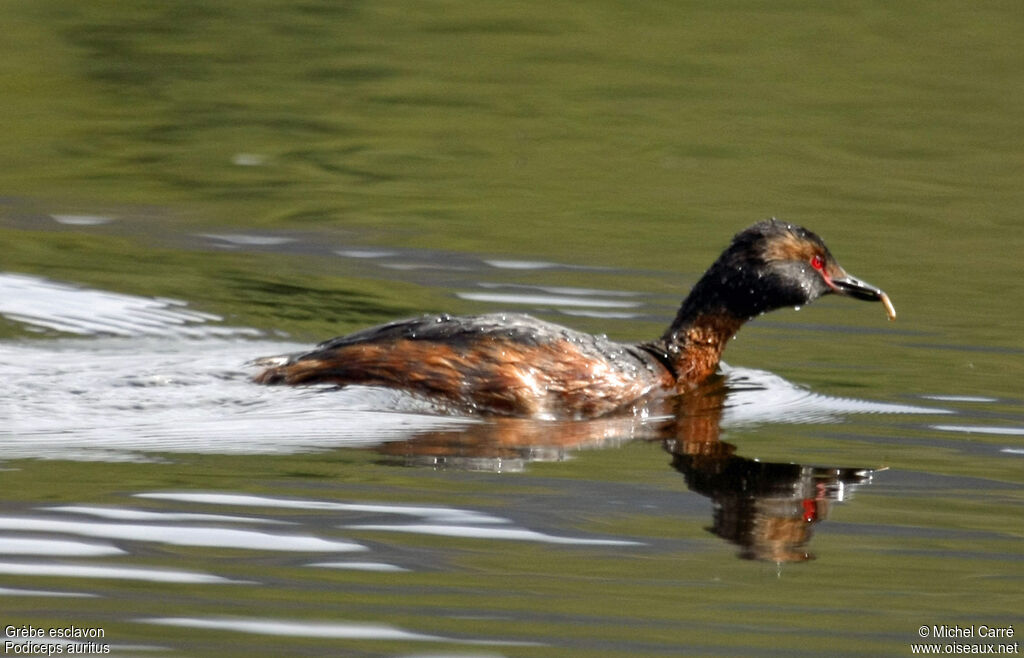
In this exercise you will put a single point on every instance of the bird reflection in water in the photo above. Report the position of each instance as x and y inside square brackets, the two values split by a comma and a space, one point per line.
[767, 509]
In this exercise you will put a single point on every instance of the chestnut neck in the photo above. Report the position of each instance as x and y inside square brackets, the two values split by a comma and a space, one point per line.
[691, 351]
[710, 315]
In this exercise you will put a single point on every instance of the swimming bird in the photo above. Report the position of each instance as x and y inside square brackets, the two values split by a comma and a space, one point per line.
[517, 365]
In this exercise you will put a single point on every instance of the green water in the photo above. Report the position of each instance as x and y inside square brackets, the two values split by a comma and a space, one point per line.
[631, 137]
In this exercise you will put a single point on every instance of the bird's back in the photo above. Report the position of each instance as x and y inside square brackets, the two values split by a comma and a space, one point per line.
[499, 363]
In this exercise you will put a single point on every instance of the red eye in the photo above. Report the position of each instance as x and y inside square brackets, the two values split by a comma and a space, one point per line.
[817, 262]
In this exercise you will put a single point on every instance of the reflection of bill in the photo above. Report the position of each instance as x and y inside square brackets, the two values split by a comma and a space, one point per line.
[768, 509]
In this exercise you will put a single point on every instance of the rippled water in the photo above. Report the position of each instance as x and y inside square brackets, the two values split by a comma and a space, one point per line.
[152, 381]
[159, 377]
[186, 187]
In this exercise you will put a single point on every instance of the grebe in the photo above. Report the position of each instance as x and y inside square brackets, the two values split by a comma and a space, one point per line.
[516, 365]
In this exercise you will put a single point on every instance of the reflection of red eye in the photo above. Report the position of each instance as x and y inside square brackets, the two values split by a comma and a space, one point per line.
[817, 262]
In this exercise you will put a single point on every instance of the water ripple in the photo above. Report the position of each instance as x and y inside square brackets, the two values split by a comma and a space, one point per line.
[437, 514]
[178, 535]
[114, 572]
[313, 629]
[443, 521]
[505, 534]
[32, 546]
[758, 396]
[88, 312]
[158, 377]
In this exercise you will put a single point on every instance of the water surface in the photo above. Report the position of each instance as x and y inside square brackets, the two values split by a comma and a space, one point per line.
[185, 188]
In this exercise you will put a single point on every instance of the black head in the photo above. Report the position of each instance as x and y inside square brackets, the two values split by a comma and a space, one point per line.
[771, 265]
